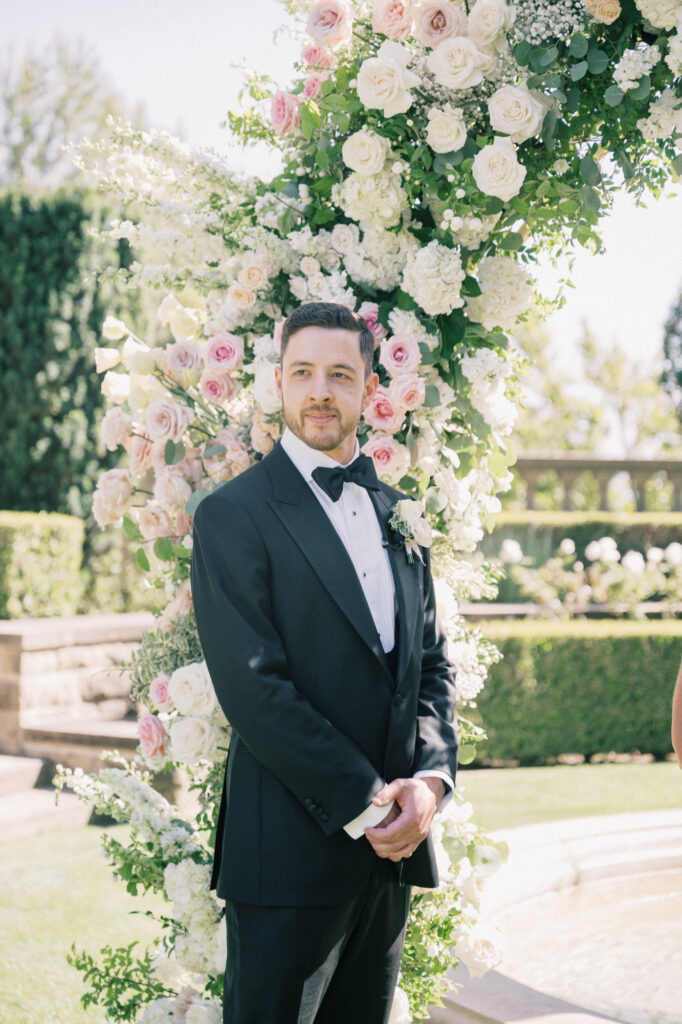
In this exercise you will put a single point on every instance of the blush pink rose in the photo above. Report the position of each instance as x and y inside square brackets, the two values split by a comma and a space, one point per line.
[154, 522]
[115, 428]
[166, 420]
[171, 489]
[393, 18]
[317, 56]
[153, 740]
[180, 605]
[181, 358]
[400, 354]
[277, 336]
[330, 23]
[224, 352]
[313, 84]
[264, 433]
[408, 391]
[382, 413]
[217, 387]
[436, 20]
[285, 112]
[158, 693]
[139, 454]
[369, 311]
[112, 497]
[391, 459]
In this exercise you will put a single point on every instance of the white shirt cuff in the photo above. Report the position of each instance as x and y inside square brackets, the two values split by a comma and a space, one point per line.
[435, 773]
[369, 818]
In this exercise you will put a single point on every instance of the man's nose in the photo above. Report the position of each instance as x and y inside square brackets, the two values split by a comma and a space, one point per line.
[319, 388]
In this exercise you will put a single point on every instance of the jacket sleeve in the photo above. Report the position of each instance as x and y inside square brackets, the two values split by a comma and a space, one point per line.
[324, 769]
[436, 742]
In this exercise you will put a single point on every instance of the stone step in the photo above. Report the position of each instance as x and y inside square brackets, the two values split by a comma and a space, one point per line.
[18, 774]
[34, 811]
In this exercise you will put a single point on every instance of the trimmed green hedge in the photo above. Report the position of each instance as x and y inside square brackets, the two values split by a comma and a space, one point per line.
[579, 687]
[540, 533]
[40, 563]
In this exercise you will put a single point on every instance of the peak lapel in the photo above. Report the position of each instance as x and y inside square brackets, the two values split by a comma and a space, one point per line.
[406, 578]
[300, 512]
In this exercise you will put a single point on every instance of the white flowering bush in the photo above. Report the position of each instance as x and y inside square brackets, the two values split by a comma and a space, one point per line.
[429, 151]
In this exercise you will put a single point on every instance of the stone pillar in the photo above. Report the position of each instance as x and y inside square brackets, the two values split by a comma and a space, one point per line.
[10, 694]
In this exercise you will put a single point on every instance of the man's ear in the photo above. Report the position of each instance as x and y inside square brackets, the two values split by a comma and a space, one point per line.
[278, 381]
[371, 385]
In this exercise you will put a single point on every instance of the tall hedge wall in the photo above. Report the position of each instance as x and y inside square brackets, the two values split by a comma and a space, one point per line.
[580, 687]
[40, 562]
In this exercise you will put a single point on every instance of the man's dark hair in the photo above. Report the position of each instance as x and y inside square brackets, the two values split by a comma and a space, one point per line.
[330, 315]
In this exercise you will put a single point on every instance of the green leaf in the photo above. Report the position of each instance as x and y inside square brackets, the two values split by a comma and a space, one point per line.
[589, 170]
[194, 500]
[470, 287]
[214, 449]
[512, 241]
[131, 528]
[497, 464]
[336, 102]
[174, 452]
[625, 164]
[141, 559]
[322, 160]
[407, 483]
[614, 95]
[577, 45]
[591, 200]
[163, 549]
[597, 61]
[677, 164]
[459, 443]
[406, 301]
[543, 58]
[432, 399]
[522, 53]
[494, 205]
[466, 753]
[578, 71]
[641, 90]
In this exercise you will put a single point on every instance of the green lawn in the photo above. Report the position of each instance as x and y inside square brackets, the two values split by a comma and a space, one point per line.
[56, 888]
[507, 797]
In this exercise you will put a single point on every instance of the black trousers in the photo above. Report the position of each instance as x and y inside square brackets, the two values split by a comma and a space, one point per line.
[317, 965]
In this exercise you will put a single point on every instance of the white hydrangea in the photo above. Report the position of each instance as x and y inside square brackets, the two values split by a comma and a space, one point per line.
[472, 232]
[635, 63]
[318, 287]
[471, 673]
[433, 277]
[403, 321]
[659, 13]
[505, 293]
[372, 199]
[378, 260]
[673, 57]
[487, 372]
[665, 117]
[158, 1012]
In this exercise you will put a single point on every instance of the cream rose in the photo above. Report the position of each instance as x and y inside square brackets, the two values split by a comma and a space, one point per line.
[497, 171]
[456, 63]
[392, 18]
[182, 361]
[604, 12]
[116, 386]
[253, 274]
[436, 20]
[115, 428]
[183, 323]
[384, 81]
[330, 23]
[365, 152]
[112, 497]
[391, 459]
[192, 739]
[408, 391]
[400, 354]
[515, 112]
[488, 20]
[139, 454]
[154, 522]
[285, 112]
[241, 296]
[113, 329]
[166, 420]
[382, 413]
[191, 690]
[171, 489]
[265, 388]
[106, 359]
[345, 238]
[446, 131]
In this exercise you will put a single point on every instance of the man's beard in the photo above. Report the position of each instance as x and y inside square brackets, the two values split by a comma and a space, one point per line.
[322, 438]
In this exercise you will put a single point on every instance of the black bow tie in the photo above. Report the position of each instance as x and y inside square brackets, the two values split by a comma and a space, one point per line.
[361, 472]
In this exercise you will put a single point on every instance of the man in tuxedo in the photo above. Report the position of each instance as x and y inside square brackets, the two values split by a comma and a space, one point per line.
[321, 639]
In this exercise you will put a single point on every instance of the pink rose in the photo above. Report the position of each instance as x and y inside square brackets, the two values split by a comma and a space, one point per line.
[400, 354]
[115, 428]
[391, 459]
[180, 605]
[158, 693]
[369, 311]
[264, 433]
[166, 420]
[277, 335]
[139, 454]
[183, 523]
[436, 20]
[217, 387]
[393, 18]
[153, 740]
[224, 352]
[112, 497]
[171, 490]
[330, 22]
[154, 522]
[236, 453]
[284, 112]
[317, 56]
[181, 358]
[408, 391]
[313, 84]
[382, 413]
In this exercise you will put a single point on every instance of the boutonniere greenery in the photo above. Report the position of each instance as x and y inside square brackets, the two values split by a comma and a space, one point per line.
[407, 520]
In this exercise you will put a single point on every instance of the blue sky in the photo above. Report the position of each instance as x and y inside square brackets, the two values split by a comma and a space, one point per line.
[176, 58]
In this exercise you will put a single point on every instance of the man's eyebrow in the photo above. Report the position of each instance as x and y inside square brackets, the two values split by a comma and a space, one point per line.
[334, 366]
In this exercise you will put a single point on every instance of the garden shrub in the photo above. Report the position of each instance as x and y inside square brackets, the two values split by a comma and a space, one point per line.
[579, 687]
[40, 562]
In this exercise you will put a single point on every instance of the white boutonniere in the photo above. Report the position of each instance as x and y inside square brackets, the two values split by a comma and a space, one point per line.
[407, 520]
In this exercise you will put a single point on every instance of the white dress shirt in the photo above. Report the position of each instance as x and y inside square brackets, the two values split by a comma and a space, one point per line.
[354, 519]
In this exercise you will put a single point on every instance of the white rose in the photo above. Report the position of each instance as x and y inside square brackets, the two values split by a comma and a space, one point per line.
[192, 739]
[365, 152]
[116, 386]
[106, 359]
[171, 489]
[384, 82]
[265, 388]
[204, 1013]
[132, 351]
[478, 950]
[514, 111]
[496, 170]
[400, 1008]
[115, 428]
[158, 1012]
[191, 689]
[446, 132]
[488, 19]
[113, 496]
[457, 63]
[345, 237]
[113, 329]
[243, 298]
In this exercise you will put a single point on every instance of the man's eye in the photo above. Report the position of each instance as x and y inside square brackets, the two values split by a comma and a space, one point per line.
[344, 376]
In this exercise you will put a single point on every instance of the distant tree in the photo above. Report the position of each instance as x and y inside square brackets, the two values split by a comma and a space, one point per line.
[672, 354]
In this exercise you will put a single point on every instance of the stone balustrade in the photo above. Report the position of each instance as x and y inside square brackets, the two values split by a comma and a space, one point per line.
[531, 467]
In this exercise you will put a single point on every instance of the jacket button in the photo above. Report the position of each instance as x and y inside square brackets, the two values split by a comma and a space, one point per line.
[324, 817]
[397, 699]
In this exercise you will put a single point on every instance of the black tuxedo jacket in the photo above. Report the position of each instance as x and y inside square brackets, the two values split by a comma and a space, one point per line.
[319, 722]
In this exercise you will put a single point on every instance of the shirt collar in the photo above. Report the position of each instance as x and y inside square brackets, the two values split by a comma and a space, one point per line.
[306, 459]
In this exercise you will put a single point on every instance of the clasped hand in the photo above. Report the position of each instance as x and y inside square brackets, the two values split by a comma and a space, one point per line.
[407, 823]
